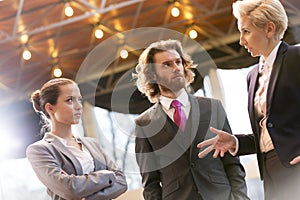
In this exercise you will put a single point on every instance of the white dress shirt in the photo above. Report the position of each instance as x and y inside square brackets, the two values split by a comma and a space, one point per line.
[183, 98]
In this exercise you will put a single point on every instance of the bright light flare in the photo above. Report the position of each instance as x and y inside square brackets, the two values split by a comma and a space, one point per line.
[69, 10]
[26, 54]
[175, 12]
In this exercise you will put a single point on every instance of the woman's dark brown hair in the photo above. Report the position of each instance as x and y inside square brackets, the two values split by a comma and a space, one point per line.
[49, 93]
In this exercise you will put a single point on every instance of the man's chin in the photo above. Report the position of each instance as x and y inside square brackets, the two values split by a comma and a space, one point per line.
[177, 86]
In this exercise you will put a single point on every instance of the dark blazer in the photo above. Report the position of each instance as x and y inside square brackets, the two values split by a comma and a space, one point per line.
[168, 158]
[283, 108]
[60, 171]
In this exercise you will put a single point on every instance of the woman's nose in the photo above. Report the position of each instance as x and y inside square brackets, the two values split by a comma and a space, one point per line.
[78, 105]
[242, 41]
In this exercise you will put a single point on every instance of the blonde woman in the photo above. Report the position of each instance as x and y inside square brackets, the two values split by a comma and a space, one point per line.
[273, 100]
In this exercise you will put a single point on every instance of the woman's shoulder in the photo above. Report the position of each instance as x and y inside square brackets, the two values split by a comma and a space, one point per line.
[37, 147]
[45, 143]
[294, 49]
[88, 139]
[91, 141]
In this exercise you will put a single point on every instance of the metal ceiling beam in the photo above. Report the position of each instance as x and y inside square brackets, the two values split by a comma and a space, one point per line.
[74, 19]
[18, 17]
[87, 4]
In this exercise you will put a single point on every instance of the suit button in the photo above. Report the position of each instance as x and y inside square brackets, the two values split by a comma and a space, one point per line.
[270, 125]
[192, 164]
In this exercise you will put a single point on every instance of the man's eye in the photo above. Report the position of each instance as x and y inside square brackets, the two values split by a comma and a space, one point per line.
[178, 62]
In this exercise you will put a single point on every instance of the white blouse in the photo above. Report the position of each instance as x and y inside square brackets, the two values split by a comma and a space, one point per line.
[83, 156]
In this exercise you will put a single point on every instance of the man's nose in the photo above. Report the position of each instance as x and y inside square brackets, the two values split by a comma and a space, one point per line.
[175, 66]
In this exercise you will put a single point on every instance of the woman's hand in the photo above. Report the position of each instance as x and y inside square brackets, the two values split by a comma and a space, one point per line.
[220, 143]
[295, 160]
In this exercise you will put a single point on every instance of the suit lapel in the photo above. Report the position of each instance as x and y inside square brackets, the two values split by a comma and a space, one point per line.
[195, 120]
[166, 130]
[99, 160]
[64, 150]
[274, 74]
[251, 90]
[195, 117]
[157, 116]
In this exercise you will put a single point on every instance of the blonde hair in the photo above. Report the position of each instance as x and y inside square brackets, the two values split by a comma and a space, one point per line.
[145, 68]
[261, 12]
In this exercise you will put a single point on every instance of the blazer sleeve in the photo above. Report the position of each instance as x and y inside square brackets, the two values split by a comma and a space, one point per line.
[233, 168]
[47, 164]
[150, 179]
[117, 188]
[247, 142]
[112, 192]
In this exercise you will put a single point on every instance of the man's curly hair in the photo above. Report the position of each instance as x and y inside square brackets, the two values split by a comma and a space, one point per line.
[145, 68]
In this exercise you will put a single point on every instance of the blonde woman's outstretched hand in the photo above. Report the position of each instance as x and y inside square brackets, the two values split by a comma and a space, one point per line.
[221, 143]
[295, 160]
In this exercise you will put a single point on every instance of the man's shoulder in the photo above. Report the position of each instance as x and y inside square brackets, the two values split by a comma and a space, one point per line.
[202, 99]
[145, 117]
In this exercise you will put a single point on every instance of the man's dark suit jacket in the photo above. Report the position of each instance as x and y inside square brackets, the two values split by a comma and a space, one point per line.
[168, 158]
[283, 108]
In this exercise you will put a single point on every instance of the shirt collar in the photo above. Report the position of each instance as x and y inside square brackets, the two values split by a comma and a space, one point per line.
[183, 98]
[63, 140]
[269, 61]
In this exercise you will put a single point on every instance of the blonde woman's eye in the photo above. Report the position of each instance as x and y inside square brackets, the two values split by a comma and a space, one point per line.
[70, 100]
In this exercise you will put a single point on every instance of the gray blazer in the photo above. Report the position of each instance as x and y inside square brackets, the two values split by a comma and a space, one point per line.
[169, 162]
[60, 171]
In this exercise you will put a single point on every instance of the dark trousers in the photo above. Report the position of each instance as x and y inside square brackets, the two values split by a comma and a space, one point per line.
[280, 183]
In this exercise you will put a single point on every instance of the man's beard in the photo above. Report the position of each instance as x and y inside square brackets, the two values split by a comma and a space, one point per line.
[174, 87]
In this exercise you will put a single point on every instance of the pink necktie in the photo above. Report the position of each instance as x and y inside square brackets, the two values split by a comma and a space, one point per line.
[179, 116]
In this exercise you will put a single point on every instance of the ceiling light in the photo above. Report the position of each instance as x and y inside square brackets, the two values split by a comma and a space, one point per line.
[57, 72]
[26, 54]
[54, 53]
[124, 53]
[99, 33]
[175, 12]
[23, 38]
[68, 10]
[193, 34]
